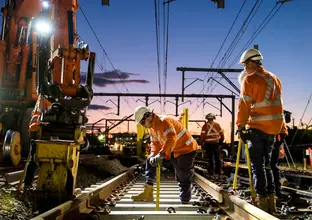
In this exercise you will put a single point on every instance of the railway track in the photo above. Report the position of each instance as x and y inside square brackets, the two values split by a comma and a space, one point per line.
[111, 200]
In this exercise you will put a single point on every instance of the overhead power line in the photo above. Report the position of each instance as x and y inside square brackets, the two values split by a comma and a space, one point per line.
[108, 58]
[257, 32]
[157, 43]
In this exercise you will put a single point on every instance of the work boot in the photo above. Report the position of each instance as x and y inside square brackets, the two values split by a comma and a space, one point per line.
[262, 203]
[147, 195]
[284, 181]
[272, 203]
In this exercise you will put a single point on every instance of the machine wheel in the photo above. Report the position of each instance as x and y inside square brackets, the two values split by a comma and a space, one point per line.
[12, 148]
[24, 121]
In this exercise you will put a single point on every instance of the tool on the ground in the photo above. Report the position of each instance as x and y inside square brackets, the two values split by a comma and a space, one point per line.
[157, 186]
[252, 188]
[21, 182]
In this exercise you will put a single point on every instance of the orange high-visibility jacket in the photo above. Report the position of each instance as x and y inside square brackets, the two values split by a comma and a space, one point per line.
[260, 105]
[211, 133]
[169, 136]
[41, 103]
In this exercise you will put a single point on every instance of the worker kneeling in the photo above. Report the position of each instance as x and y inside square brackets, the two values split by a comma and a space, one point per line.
[171, 141]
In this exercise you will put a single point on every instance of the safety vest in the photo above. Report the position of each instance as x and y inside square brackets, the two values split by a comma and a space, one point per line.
[41, 104]
[211, 133]
[260, 105]
[169, 136]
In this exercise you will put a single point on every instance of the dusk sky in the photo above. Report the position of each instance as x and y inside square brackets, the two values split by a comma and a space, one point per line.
[126, 29]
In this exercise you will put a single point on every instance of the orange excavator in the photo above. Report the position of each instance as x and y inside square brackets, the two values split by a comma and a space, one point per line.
[40, 58]
[17, 78]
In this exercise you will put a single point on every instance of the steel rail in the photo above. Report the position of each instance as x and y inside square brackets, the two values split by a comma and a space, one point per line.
[235, 207]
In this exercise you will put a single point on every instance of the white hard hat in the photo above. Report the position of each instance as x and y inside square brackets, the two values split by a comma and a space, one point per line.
[140, 112]
[251, 54]
[210, 116]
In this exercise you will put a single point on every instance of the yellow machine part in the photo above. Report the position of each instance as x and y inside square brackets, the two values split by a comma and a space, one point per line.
[141, 131]
[185, 118]
[56, 159]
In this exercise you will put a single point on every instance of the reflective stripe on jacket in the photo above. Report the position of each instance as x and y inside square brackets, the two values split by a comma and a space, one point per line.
[41, 103]
[211, 133]
[260, 104]
[168, 135]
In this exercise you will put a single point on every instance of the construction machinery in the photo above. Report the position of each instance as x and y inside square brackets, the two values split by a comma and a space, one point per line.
[61, 129]
[17, 78]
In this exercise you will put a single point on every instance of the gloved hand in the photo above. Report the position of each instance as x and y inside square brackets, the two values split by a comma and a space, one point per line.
[242, 134]
[155, 160]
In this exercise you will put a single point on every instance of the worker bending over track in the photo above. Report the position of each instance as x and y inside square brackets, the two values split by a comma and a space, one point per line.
[212, 136]
[260, 111]
[170, 140]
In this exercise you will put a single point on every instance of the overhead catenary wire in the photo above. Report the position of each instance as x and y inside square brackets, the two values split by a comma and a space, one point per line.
[99, 64]
[108, 58]
[228, 33]
[238, 36]
[226, 37]
[236, 39]
[257, 32]
[166, 19]
[156, 12]
[102, 47]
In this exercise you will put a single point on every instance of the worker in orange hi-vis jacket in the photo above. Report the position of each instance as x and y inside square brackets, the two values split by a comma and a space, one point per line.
[171, 141]
[278, 153]
[211, 137]
[260, 111]
[41, 105]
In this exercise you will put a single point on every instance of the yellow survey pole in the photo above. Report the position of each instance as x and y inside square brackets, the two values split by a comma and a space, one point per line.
[157, 186]
[252, 188]
[185, 119]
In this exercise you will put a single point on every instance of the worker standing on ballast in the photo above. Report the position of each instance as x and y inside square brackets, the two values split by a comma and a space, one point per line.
[170, 140]
[212, 136]
[260, 111]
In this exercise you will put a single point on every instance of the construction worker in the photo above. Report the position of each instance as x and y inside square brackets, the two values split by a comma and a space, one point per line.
[169, 140]
[278, 153]
[260, 111]
[212, 136]
[41, 105]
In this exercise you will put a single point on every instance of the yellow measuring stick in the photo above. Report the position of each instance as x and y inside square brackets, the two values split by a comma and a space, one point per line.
[237, 165]
[252, 188]
[157, 186]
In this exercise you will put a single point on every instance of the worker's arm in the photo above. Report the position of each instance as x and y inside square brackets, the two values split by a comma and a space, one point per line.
[203, 134]
[155, 145]
[170, 138]
[221, 132]
[244, 104]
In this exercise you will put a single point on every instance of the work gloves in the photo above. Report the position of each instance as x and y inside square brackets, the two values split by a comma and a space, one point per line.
[243, 134]
[155, 160]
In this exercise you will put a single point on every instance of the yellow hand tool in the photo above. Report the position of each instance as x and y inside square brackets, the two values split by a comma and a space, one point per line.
[252, 188]
[21, 182]
[157, 186]
[237, 166]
